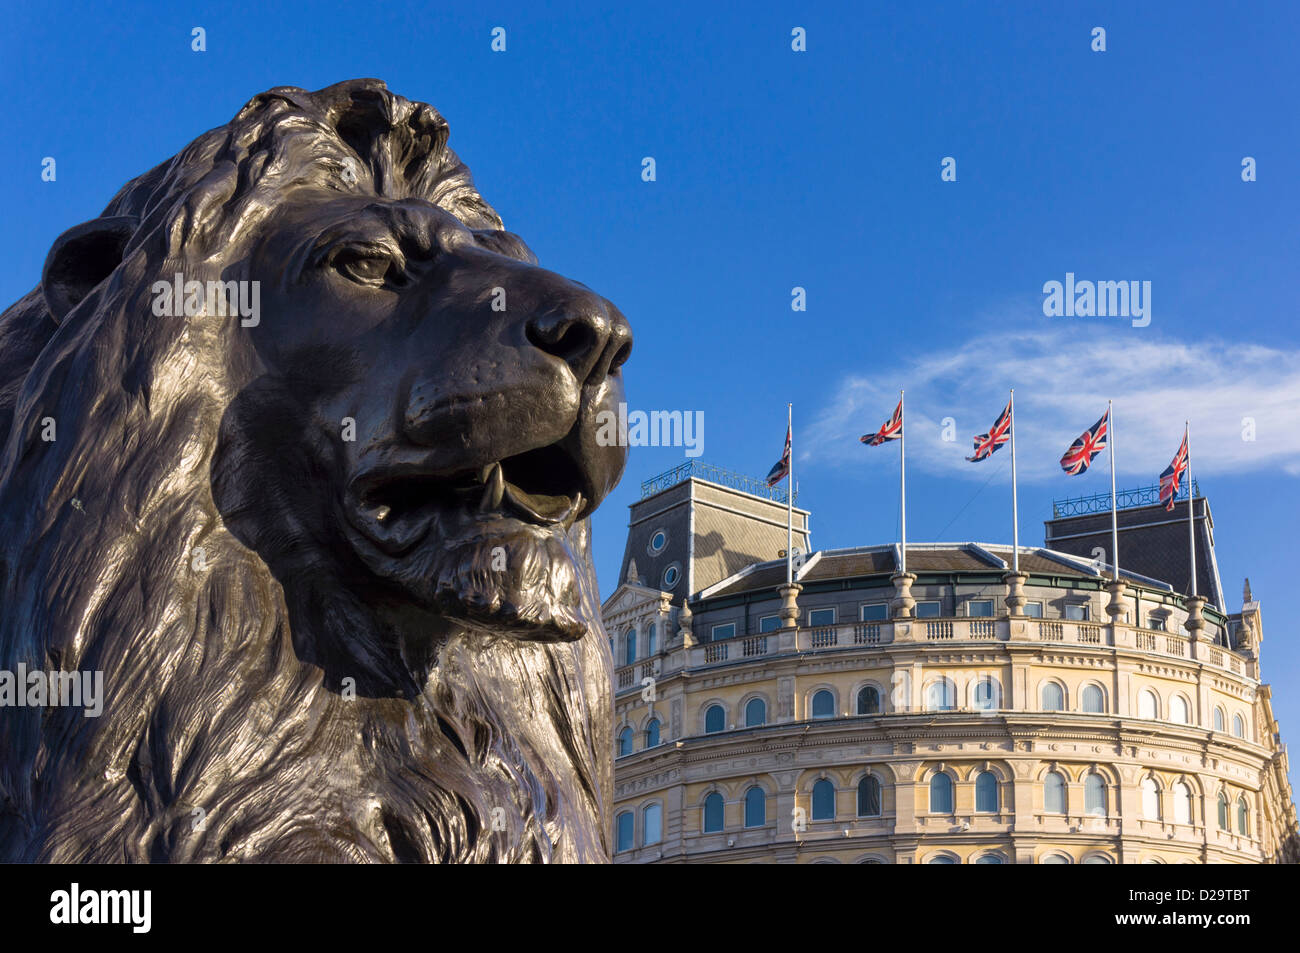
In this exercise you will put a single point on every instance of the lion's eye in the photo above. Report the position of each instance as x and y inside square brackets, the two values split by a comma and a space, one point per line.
[366, 268]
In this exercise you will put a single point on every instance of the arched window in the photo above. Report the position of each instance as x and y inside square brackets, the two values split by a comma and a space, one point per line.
[755, 807]
[1243, 817]
[986, 792]
[624, 823]
[1178, 710]
[1219, 720]
[1055, 859]
[1182, 803]
[1093, 699]
[652, 824]
[650, 640]
[986, 695]
[941, 695]
[715, 719]
[823, 705]
[869, 797]
[823, 800]
[940, 794]
[1238, 726]
[652, 733]
[1094, 795]
[989, 859]
[1053, 697]
[868, 700]
[1096, 859]
[1148, 705]
[941, 859]
[1223, 812]
[1054, 793]
[629, 647]
[625, 742]
[755, 712]
[1150, 800]
[713, 805]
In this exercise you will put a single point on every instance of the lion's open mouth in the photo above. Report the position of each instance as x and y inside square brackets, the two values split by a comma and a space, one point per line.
[540, 487]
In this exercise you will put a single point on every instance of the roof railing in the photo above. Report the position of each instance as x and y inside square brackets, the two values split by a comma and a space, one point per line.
[1126, 499]
[714, 474]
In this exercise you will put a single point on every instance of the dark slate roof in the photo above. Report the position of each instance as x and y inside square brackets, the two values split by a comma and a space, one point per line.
[1152, 542]
[924, 558]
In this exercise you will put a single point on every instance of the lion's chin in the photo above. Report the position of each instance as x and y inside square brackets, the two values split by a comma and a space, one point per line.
[500, 575]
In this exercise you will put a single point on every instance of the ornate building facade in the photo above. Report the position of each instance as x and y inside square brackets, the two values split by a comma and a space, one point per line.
[955, 713]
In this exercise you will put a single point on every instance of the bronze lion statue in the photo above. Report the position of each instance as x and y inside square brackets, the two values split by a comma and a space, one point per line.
[324, 533]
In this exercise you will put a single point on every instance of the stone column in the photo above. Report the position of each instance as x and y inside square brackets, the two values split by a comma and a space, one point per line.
[684, 630]
[664, 619]
[903, 602]
[789, 604]
[1115, 608]
[1015, 591]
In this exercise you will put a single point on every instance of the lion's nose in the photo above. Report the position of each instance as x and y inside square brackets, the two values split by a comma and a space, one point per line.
[585, 330]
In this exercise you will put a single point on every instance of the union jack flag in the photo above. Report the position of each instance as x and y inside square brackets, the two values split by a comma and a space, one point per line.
[1173, 475]
[781, 469]
[1084, 450]
[892, 430]
[987, 443]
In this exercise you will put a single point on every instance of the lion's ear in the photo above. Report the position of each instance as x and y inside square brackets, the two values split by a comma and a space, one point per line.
[81, 258]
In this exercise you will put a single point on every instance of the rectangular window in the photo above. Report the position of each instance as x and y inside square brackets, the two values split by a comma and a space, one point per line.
[1157, 622]
[624, 824]
[1034, 610]
[979, 608]
[927, 610]
[875, 612]
[818, 617]
[1076, 613]
[769, 623]
[726, 631]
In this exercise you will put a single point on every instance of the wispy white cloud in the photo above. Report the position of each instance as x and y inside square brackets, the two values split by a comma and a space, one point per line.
[1063, 380]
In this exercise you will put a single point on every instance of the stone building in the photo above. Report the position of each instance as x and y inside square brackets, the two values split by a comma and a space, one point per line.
[959, 713]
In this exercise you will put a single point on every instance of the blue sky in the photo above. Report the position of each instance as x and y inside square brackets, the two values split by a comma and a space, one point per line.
[821, 170]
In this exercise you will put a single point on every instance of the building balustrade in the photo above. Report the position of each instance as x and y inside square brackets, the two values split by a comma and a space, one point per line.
[848, 635]
[938, 630]
[866, 633]
[824, 637]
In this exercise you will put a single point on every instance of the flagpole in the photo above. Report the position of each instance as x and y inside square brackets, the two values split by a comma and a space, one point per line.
[1015, 508]
[1114, 520]
[902, 476]
[1191, 513]
[789, 500]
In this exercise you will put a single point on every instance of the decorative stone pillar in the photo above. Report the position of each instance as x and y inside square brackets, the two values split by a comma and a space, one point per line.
[790, 604]
[1115, 608]
[1195, 621]
[903, 603]
[664, 619]
[1015, 591]
[684, 630]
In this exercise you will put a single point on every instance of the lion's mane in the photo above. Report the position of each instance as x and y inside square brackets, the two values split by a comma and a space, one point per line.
[217, 740]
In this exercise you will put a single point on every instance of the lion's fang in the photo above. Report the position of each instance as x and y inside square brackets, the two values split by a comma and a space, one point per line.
[381, 513]
[494, 491]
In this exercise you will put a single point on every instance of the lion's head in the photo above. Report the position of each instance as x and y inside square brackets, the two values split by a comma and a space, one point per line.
[330, 551]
